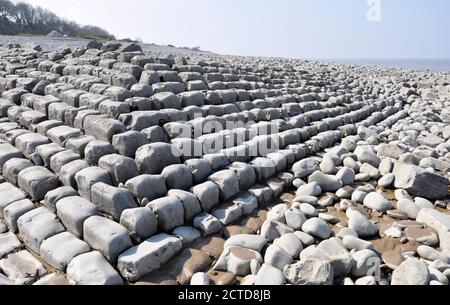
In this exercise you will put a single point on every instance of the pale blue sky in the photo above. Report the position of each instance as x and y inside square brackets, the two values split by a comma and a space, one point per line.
[285, 28]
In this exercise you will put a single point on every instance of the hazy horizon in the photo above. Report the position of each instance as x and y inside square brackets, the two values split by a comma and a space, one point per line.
[319, 29]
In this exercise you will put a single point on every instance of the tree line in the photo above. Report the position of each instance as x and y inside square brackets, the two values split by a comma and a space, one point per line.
[22, 18]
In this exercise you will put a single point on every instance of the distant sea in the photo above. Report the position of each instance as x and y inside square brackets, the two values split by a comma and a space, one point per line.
[417, 64]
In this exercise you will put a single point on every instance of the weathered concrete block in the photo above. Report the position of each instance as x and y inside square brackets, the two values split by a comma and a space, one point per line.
[148, 256]
[10, 193]
[93, 269]
[30, 268]
[140, 222]
[153, 158]
[37, 181]
[59, 250]
[103, 128]
[208, 194]
[73, 211]
[170, 212]
[106, 236]
[119, 167]
[112, 200]
[190, 203]
[87, 177]
[13, 167]
[148, 187]
[58, 160]
[178, 176]
[8, 243]
[127, 143]
[28, 143]
[36, 226]
[46, 151]
[52, 197]
[228, 183]
[68, 172]
[61, 134]
[16, 209]
[200, 168]
[207, 224]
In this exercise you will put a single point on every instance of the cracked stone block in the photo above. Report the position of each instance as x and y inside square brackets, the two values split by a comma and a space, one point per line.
[207, 224]
[37, 181]
[87, 177]
[8, 243]
[120, 168]
[127, 143]
[59, 250]
[170, 212]
[36, 226]
[149, 256]
[93, 269]
[73, 211]
[28, 143]
[13, 167]
[106, 236]
[112, 200]
[16, 209]
[7, 152]
[208, 195]
[140, 222]
[52, 197]
[147, 187]
[190, 203]
[153, 158]
[94, 150]
[228, 183]
[58, 160]
[10, 193]
[22, 267]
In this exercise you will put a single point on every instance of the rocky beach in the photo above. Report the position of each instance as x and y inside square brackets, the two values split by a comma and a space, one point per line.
[137, 164]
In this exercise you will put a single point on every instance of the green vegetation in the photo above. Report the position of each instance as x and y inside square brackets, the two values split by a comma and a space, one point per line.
[22, 18]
